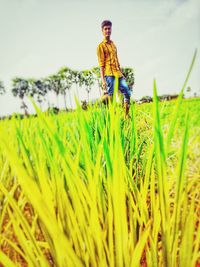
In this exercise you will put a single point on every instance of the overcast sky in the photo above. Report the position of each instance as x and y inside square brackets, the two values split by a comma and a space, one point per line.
[155, 37]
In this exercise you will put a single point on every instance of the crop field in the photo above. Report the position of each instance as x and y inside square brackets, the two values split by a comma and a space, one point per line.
[88, 188]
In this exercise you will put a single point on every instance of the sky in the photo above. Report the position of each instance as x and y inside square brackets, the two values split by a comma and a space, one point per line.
[157, 38]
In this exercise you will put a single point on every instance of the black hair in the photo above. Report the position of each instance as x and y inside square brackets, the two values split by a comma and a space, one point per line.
[106, 23]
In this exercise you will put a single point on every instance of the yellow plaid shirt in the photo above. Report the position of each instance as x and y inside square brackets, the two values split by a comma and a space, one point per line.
[107, 57]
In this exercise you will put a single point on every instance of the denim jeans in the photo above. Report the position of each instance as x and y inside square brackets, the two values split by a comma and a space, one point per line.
[122, 86]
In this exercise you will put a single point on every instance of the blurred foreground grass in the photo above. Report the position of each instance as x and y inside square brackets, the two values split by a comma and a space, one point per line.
[90, 189]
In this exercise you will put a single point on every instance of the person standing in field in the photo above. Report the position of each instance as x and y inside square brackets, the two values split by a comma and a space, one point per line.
[110, 67]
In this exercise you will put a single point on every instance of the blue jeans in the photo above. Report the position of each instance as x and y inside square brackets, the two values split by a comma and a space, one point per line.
[122, 86]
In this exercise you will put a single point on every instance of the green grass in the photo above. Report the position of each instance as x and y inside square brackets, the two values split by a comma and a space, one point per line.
[101, 191]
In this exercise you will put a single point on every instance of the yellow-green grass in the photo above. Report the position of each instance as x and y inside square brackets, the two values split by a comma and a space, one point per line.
[101, 190]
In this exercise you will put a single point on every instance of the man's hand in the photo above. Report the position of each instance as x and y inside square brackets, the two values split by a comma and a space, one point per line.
[104, 85]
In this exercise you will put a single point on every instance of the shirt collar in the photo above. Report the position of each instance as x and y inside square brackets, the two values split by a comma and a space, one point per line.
[105, 41]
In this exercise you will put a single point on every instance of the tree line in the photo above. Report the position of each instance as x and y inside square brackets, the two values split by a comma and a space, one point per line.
[61, 84]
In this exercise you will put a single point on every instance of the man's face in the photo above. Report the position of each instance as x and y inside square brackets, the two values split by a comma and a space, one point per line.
[107, 31]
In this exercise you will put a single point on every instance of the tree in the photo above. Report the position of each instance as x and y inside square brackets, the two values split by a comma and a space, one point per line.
[188, 89]
[36, 90]
[31, 88]
[97, 77]
[66, 79]
[146, 99]
[55, 85]
[88, 80]
[20, 89]
[76, 76]
[41, 91]
[129, 76]
[2, 88]
[48, 88]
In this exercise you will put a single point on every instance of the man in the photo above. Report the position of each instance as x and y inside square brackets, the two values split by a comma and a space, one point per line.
[110, 67]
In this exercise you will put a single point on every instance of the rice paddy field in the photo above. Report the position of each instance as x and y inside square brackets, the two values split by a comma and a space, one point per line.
[88, 188]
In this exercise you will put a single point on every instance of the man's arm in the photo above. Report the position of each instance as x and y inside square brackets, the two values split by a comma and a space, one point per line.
[119, 63]
[101, 59]
[102, 69]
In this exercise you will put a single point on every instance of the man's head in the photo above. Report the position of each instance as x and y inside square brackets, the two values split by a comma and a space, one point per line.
[106, 27]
